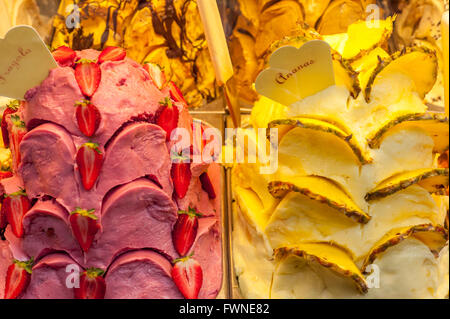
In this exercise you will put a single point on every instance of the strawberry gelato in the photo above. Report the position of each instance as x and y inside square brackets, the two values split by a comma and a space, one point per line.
[119, 231]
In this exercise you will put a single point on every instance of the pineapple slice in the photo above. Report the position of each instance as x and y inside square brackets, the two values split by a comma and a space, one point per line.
[435, 180]
[248, 176]
[316, 270]
[435, 124]
[252, 208]
[264, 111]
[418, 63]
[299, 154]
[365, 65]
[299, 218]
[364, 36]
[432, 236]
[403, 209]
[361, 38]
[341, 135]
[323, 191]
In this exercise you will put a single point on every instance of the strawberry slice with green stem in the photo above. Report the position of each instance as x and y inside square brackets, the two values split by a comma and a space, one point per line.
[65, 56]
[168, 118]
[112, 54]
[10, 109]
[92, 285]
[84, 226]
[18, 278]
[88, 76]
[187, 275]
[185, 230]
[181, 174]
[14, 207]
[88, 117]
[89, 160]
[156, 74]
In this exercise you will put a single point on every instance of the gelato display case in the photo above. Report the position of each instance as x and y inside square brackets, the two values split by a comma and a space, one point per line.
[114, 169]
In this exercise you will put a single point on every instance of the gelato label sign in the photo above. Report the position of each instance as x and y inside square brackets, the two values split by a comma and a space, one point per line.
[24, 61]
[294, 74]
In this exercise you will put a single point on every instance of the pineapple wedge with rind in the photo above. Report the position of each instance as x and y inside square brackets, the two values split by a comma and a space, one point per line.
[435, 180]
[433, 236]
[364, 36]
[361, 38]
[435, 124]
[323, 191]
[418, 63]
[329, 255]
[336, 129]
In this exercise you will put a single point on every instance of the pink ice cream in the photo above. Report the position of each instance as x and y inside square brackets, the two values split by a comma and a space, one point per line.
[133, 196]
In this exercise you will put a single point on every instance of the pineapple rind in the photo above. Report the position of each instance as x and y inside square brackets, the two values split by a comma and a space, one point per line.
[319, 125]
[337, 259]
[424, 80]
[420, 232]
[438, 177]
[415, 119]
[342, 203]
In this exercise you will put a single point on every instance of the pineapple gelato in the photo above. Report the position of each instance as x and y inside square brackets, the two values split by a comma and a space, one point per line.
[357, 206]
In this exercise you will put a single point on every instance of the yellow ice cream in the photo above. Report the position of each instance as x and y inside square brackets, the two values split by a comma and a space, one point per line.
[351, 170]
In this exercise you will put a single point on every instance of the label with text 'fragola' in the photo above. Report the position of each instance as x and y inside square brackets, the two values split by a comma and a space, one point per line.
[24, 61]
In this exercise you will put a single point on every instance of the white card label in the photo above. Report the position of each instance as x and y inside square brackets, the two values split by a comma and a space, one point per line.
[294, 74]
[24, 61]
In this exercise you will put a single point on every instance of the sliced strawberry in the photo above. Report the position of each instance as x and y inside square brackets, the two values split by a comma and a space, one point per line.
[88, 76]
[168, 118]
[175, 94]
[112, 54]
[92, 285]
[88, 117]
[156, 74]
[10, 109]
[84, 226]
[187, 274]
[207, 185]
[185, 230]
[18, 131]
[181, 175]
[90, 161]
[14, 207]
[5, 174]
[18, 278]
[65, 56]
